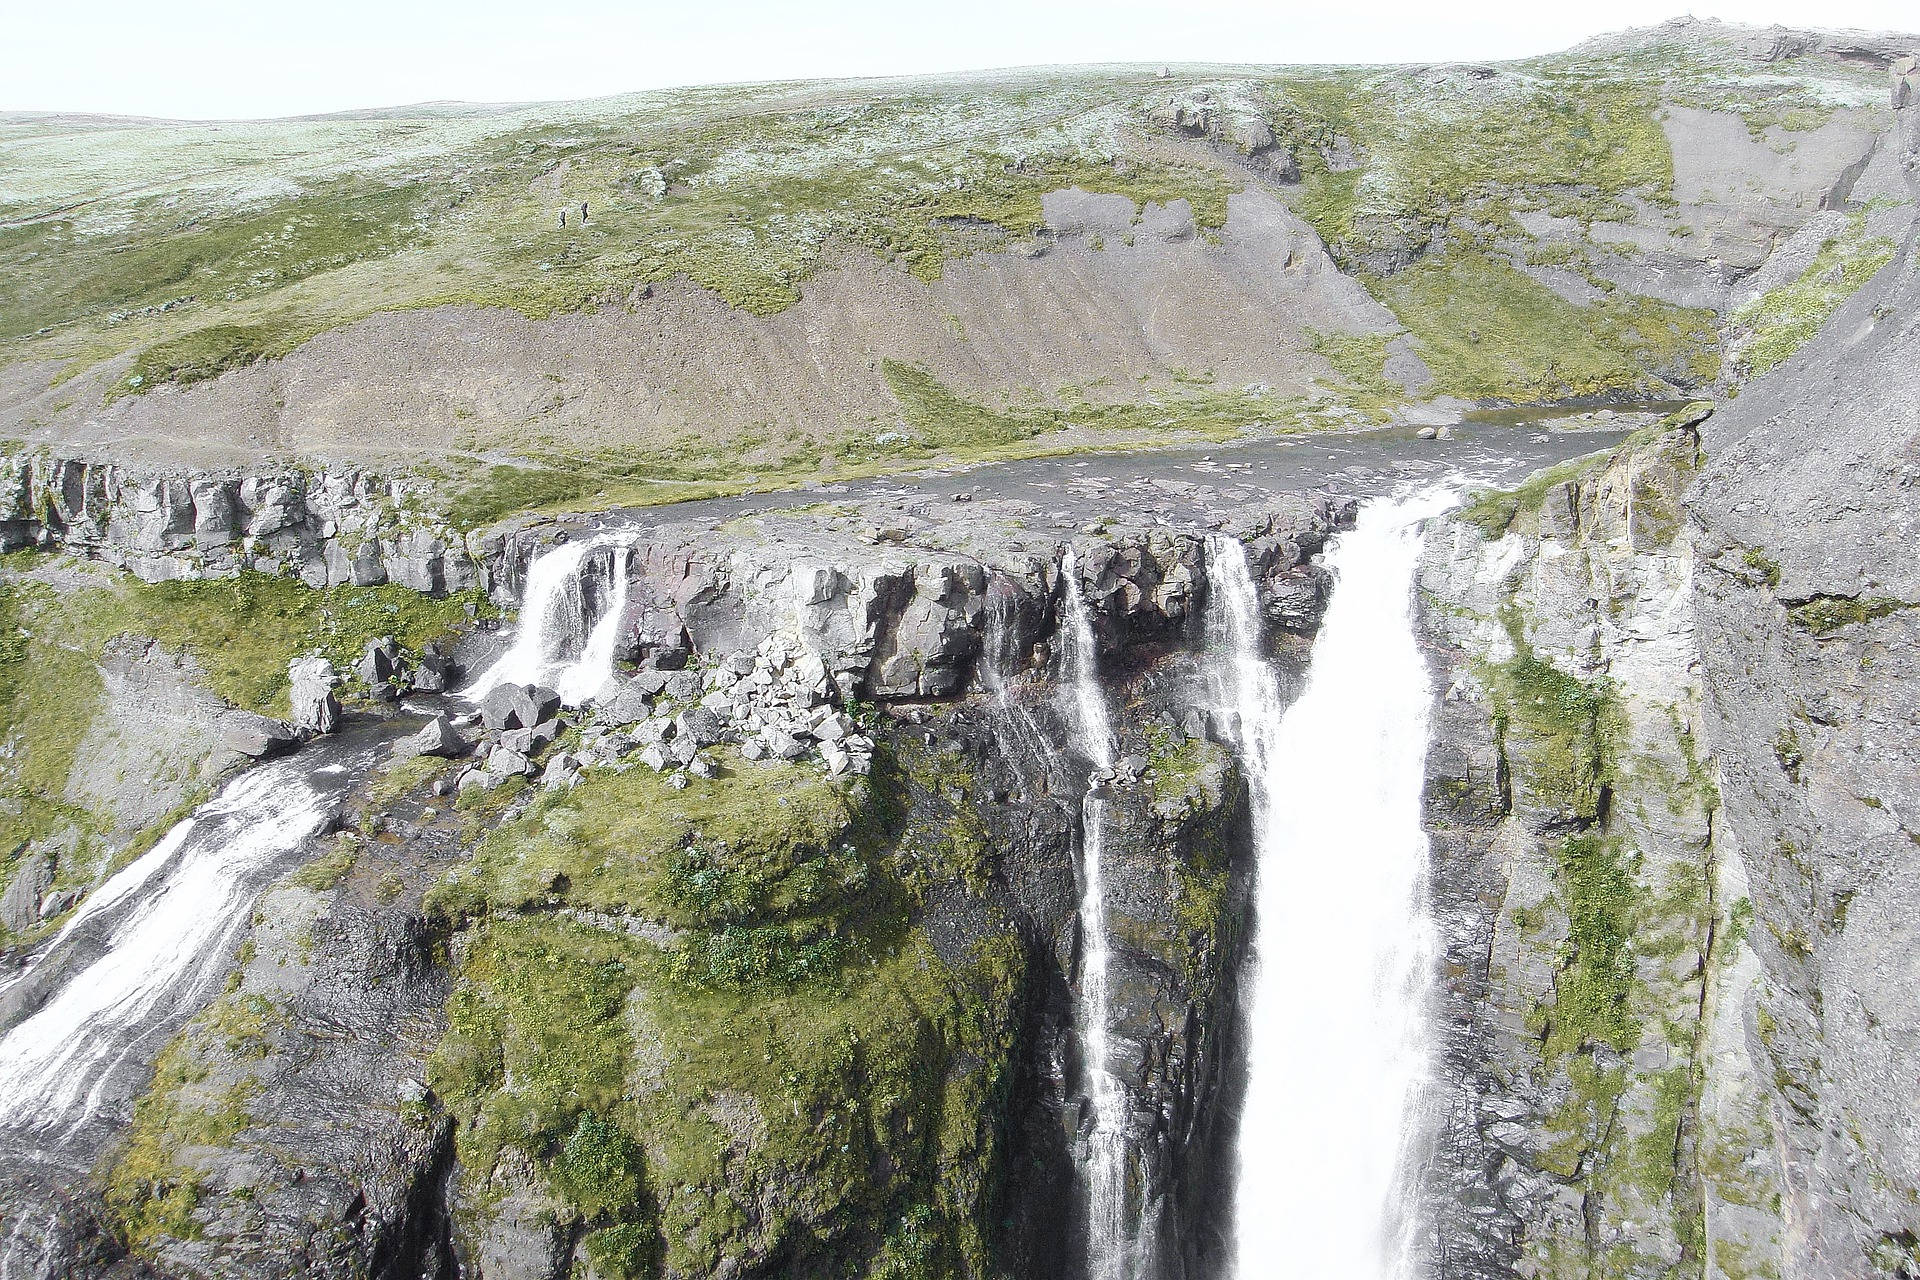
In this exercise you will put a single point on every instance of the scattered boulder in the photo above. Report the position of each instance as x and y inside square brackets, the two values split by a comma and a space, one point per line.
[702, 726]
[438, 737]
[625, 701]
[435, 672]
[506, 762]
[382, 669]
[257, 736]
[315, 707]
[517, 706]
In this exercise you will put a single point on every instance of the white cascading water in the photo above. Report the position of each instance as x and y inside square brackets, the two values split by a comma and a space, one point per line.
[557, 644]
[1343, 948]
[583, 679]
[156, 928]
[1113, 1247]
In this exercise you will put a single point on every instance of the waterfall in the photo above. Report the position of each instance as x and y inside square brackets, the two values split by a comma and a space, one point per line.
[583, 679]
[1113, 1246]
[1343, 950]
[146, 945]
[559, 643]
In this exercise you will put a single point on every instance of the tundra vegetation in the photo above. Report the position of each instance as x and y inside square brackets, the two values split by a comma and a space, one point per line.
[176, 253]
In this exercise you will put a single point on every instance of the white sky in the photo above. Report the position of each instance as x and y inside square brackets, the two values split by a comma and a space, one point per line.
[255, 58]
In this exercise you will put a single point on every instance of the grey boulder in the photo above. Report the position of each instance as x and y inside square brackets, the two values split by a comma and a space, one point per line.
[517, 706]
[315, 708]
[438, 737]
[257, 736]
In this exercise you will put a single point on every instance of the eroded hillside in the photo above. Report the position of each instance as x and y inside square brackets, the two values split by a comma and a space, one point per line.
[645, 297]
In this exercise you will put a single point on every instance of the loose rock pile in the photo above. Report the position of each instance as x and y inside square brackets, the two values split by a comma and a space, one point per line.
[774, 703]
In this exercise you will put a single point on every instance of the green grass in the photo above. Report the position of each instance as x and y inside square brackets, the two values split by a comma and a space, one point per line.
[1783, 319]
[240, 632]
[937, 423]
[205, 354]
[57, 273]
[244, 630]
[740, 191]
[1488, 331]
[662, 1099]
[1359, 361]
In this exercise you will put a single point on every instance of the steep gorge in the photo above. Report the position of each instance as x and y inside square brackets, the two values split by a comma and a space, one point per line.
[883, 902]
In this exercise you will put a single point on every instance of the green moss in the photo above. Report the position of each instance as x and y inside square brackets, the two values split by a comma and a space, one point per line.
[1493, 511]
[1786, 750]
[1175, 764]
[1488, 331]
[1784, 318]
[402, 778]
[1823, 615]
[1761, 563]
[758, 843]
[1584, 1121]
[1653, 1159]
[154, 1187]
[1593, 990]
[332, 866]
[854, 1106]
[1556, 730]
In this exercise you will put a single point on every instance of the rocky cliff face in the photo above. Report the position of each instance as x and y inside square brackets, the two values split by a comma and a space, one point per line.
[1671, 794]
[749, 1018]
[1573, 805]
[327, 529]
[1805, 602]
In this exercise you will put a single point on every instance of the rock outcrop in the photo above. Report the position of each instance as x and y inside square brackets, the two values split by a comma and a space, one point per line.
[328, 529]
[1807, 600]
[1672, 798]
[1578, 879]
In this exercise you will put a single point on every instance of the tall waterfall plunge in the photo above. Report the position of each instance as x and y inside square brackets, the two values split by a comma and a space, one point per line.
[1343, 948]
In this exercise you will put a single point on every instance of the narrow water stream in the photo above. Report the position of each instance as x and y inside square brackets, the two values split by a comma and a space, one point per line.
[1113, 1243]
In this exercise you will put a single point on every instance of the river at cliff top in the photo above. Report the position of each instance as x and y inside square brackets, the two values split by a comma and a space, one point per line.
[1193, 487]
